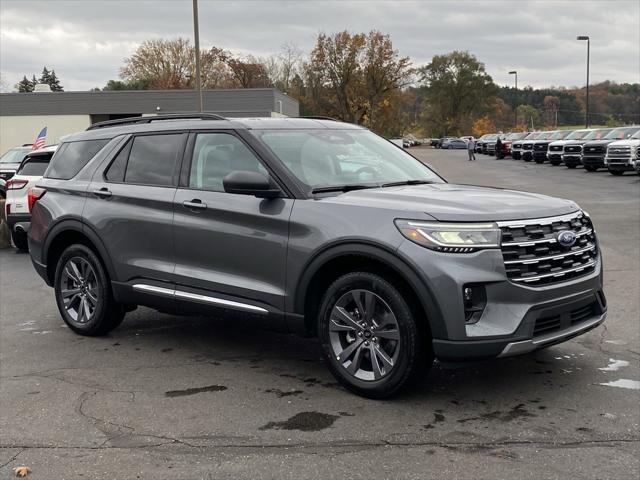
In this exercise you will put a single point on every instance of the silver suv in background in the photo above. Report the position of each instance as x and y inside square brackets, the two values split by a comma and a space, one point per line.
[316, 226]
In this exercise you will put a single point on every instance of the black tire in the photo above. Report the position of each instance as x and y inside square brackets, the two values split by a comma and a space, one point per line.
[20, 240]
[617, 173]
[411, 353]
[571, 166]
[539, 161]
[589, 168]
[107, 314]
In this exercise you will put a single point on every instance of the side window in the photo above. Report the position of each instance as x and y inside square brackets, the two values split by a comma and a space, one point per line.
[153, 159]
[215, 155]
[115, 172]
[71, 157]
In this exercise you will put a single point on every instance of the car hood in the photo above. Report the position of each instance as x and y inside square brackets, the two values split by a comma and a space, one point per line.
[562, 142]
[451, 202]
[593, 143]
[629, 142]
[9, 166]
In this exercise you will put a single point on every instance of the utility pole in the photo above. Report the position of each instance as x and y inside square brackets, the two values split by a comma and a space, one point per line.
[586, 115]
[515, 105]
[196, 35]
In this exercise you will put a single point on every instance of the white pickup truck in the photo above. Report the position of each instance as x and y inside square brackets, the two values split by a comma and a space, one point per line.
[623, 155]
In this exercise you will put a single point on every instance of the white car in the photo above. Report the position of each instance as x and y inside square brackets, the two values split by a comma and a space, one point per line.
[17, 204]
[623, 155]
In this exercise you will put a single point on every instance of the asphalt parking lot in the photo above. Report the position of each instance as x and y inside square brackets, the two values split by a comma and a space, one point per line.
[200, 398]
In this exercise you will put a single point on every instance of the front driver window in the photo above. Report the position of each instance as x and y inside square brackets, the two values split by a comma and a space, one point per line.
[216, 155]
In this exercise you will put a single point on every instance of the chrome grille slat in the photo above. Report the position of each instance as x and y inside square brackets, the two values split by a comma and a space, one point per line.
[533, 256]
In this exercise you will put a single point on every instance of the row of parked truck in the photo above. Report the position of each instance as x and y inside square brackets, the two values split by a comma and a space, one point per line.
[616, 149]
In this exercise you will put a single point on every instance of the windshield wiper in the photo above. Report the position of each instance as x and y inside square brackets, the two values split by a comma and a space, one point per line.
[407, 182]
[344, 188]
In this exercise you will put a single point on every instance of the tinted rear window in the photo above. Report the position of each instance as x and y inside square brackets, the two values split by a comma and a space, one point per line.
[72, 156]
[153, 159]
[35, 167]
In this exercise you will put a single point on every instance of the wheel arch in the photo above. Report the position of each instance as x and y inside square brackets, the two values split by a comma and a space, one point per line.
[68, 232]
[343, 258]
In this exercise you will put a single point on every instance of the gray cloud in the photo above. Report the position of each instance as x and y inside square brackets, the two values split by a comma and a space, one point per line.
[86, 41]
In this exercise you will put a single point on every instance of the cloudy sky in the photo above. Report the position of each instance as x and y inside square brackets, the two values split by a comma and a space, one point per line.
[86, 40]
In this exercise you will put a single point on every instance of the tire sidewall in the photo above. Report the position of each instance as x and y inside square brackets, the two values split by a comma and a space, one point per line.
[409, 335]
[104, 292]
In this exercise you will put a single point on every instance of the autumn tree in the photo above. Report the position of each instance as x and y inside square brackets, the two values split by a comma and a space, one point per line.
[528, 115]
[457, 89]
[248, 72]
[170, 64]
[551, 104]
[482, 126]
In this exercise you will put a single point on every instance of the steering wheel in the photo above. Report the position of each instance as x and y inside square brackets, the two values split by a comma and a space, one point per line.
[366, 169]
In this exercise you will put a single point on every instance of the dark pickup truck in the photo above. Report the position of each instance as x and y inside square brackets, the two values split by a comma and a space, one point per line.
[593, 151]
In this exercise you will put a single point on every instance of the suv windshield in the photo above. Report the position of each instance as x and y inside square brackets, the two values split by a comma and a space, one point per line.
[598, 134]
[517, 136]
[335, 158]
[621, 133]
[15, 155]
[578, 135]
[560, 135]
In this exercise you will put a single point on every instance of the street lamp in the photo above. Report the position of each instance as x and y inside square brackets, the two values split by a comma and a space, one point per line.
[586, 115]
[196, 35]
[515, 109]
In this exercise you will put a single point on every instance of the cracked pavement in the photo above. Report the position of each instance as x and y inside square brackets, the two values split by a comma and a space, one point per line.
[204, 398]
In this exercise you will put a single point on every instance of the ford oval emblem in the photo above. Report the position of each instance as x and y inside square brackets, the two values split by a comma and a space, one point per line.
[567, 238]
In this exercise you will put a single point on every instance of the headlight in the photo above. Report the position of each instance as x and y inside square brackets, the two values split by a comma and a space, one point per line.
[451, 237]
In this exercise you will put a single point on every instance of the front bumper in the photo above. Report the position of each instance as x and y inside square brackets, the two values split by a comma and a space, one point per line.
[540, 156]
[572, 159]
[516, 154]
[554, 158]
[516, 318]
[593, 161]
[620, 167]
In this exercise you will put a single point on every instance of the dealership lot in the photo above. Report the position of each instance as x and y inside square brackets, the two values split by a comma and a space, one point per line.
[171, 397]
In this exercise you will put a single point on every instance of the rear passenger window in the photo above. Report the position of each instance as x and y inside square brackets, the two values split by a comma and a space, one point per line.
[115, 172]
[153, 160]
[71, 157]
[34, 167]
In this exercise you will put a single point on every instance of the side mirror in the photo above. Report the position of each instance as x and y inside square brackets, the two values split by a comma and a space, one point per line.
[249, 183]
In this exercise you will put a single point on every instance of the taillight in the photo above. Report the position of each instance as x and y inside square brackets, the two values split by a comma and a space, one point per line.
[16, 184]
[33, 195]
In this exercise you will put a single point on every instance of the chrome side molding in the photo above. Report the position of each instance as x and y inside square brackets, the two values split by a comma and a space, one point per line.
[194, 297]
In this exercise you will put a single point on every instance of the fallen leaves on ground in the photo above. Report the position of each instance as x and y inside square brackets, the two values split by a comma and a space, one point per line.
[21, 471]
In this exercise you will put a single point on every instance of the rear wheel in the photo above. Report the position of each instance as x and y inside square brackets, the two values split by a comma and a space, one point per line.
[83, 293]
[20, 240]
[370, 337]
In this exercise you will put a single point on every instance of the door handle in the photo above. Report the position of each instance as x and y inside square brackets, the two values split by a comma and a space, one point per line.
[102, 193]
[195, 204]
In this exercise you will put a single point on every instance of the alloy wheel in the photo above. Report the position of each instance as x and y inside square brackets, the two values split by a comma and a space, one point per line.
[364, 335]
[79, 289]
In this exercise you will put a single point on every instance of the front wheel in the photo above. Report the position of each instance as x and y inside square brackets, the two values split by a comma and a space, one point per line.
[589, 168]
[617, 173]
[370, 338]
[83, 293]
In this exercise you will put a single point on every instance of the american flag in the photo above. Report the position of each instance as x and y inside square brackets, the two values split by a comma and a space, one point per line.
[39, 143]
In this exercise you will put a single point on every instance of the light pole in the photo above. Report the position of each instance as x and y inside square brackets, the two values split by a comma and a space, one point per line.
[586, 115]
[196, 35]
[515, 106]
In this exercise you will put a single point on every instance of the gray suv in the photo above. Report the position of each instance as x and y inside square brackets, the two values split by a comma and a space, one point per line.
[313, 226]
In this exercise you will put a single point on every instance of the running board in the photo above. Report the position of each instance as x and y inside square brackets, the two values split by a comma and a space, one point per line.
[194, 297]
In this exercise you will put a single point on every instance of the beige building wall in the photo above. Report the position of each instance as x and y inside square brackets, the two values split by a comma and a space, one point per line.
[16, 130]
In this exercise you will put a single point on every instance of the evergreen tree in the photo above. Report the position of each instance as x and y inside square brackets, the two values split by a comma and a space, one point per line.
[34, 80]
[24, 85]
[45, 77]
[54, 82]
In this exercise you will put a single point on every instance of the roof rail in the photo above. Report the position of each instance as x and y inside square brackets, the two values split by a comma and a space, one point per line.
[155, 118]
[318, 117]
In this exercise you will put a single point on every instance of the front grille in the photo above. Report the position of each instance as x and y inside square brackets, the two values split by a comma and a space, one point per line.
[596, 149]
[540, 147]
[555, 148]
[573, 148]
[533, 256]
[517, 145]
[527, 146]
[619, 155]
[551, 323]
